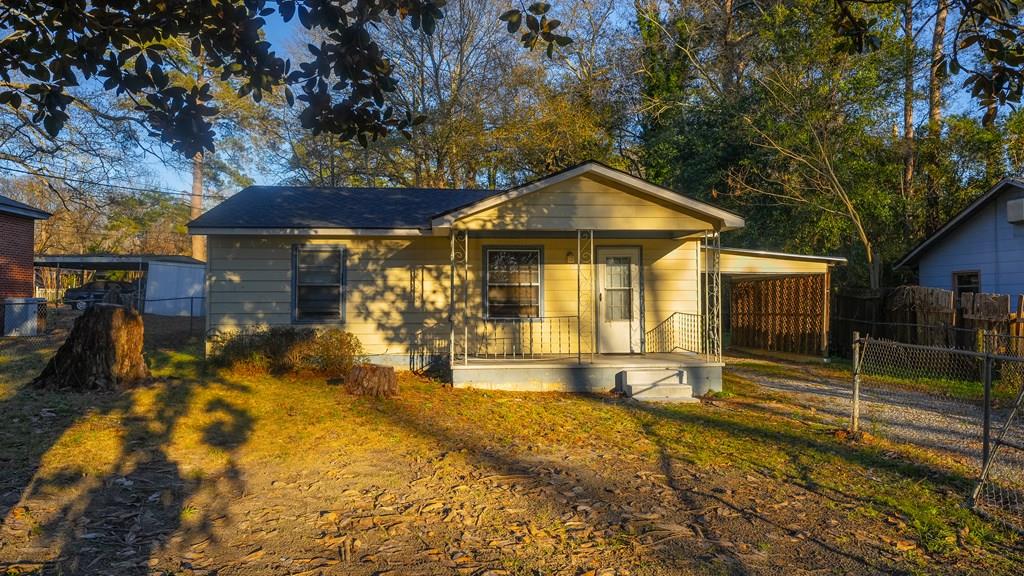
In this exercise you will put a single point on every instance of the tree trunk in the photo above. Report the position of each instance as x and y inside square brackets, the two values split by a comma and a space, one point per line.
[874, 269]
[908, 99]
[907, 180]
[102, 352]
[728, 77]
[198, 242]
[935, 76]
[372, 380]
[936, 81]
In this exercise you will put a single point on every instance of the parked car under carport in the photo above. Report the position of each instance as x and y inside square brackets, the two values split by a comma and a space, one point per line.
[90, 293]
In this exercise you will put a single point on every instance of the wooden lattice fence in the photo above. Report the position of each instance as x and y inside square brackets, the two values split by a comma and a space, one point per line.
[780, 314]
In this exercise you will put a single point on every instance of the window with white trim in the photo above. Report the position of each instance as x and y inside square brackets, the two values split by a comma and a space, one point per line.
[319, 273]
[513, 283]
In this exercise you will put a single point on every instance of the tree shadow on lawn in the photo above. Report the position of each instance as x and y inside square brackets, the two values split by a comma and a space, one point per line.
[664, 541]
[804, 455]
[118, 523]
[951, 441]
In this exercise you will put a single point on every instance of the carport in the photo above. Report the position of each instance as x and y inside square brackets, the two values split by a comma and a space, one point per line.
[776, 301]
[171, 285]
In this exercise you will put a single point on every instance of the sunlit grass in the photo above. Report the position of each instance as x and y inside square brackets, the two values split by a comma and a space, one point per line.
[205, 421]
[842, 371]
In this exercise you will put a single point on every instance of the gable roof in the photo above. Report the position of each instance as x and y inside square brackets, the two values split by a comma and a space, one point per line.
[917, 251]
[404, 211]
[728, 220]
[306, 207]
[11, 206]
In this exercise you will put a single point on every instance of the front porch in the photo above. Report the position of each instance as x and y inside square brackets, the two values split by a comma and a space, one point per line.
[583, 312]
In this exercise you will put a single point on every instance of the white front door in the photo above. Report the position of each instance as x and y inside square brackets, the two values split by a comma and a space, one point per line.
[618, 300]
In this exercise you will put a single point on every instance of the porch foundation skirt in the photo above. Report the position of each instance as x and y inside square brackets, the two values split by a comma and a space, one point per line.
[598, 377]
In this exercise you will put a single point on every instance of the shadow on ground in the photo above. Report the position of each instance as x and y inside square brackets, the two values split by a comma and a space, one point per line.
[119, 521]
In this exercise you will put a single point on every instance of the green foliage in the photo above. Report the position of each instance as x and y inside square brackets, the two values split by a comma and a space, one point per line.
[989, 50]
[804, 138]
[490, 117]
[49, 46]
[329, 352]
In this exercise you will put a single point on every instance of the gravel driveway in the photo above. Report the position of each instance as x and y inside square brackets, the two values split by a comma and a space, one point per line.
[950, 427]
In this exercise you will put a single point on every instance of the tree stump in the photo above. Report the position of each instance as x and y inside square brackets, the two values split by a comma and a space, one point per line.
[102, 352]
[372, 380]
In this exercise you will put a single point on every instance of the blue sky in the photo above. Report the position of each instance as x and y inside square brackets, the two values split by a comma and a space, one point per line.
[281, 35]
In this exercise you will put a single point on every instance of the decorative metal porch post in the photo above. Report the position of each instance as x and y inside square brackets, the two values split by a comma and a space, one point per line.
[713, 295]
[459, 255]
[585, 292]
[465, 296]
[451, 298]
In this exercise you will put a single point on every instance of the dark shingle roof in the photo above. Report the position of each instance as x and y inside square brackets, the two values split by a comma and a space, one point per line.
[309, 207]
[9, 206]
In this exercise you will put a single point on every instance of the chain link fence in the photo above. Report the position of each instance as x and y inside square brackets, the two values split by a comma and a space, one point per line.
[37, 333]
[999, 493]
[961, 407]
[936, 335]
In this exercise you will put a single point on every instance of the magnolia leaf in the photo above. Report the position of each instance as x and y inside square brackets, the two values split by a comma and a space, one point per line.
[539, 8]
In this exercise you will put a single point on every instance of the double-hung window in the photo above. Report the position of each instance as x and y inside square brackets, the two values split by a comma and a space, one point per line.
[513, 283]
[319, 273]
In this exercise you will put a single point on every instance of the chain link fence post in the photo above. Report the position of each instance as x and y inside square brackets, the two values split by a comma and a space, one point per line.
[986, 410]
[855, 412]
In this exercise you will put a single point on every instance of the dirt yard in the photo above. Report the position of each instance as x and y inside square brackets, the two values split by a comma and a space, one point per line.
[204, 473]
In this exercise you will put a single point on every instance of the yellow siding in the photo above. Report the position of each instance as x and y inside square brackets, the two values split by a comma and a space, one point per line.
[398, 288]
[584, 204]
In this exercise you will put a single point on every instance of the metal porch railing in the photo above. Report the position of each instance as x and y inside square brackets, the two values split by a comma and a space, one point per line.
[679, 332]
[548, 337]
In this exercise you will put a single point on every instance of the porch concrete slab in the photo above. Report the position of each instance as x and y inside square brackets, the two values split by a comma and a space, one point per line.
[605, 374]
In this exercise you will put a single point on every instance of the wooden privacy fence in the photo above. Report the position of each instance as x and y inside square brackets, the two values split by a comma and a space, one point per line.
[930, 317]
[780, 314]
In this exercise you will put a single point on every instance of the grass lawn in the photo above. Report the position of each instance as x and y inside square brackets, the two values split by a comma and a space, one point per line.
[206, 472]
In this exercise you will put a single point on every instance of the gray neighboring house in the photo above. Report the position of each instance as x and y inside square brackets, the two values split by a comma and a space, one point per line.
[981, 249]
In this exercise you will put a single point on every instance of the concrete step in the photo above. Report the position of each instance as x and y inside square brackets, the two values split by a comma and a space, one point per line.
[658, 376]
[657, 385]
[659, 392]
[667, 399]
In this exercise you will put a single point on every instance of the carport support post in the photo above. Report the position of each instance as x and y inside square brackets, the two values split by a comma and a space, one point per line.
[855, 413]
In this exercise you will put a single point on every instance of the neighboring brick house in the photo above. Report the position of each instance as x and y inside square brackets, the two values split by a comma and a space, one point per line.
[17, 227]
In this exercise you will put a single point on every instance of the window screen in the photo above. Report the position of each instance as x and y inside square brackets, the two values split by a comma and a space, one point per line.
[319, 284]
[513, 283]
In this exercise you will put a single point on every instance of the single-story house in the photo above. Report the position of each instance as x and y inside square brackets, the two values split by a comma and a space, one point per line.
[18, 308]
[586, 279]
[981, 249]
[169, 284]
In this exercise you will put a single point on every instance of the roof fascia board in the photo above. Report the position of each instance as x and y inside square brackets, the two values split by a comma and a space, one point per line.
[728, 220]
[956, 220]
[308, 232]
[782, 255]
[26, 212]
